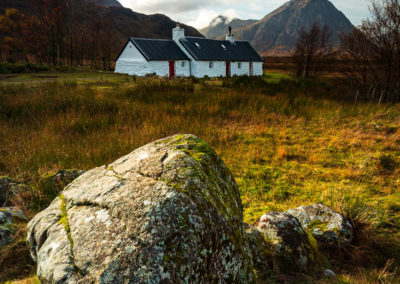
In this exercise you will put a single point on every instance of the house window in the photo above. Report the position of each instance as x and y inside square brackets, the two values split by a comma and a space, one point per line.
[239, 65]
[223, 46]
[183, 63]
[197, 44]
[211, 65]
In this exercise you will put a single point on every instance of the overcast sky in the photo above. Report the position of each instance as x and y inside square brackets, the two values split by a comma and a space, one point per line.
[199, 13]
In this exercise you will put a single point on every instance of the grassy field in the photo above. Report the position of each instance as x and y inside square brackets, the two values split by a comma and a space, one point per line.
[287, 142]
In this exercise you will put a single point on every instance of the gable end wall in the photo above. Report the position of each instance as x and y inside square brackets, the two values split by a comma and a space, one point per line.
[132, 62]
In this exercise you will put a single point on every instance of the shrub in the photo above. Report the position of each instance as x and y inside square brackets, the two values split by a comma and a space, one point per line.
[387, 163]
[16, 68]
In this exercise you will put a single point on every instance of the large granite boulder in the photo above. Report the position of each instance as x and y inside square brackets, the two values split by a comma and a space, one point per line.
[327, 226]
[10, 188]
[8, 217]
[168, 212]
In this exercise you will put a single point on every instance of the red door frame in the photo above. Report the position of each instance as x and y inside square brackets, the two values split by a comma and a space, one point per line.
[251, 68]
[172, 69]
[228, 69]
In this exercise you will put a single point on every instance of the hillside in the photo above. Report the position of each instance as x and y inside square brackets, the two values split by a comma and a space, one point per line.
[106, 3]
[124, 22]
[219, 26]
[277, 32]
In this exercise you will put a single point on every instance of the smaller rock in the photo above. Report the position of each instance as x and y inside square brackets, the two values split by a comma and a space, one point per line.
[7, 218]
[289, 240]
[329, 273]
[52, 183]
[327, 226]
[262, 253]
[8, 189]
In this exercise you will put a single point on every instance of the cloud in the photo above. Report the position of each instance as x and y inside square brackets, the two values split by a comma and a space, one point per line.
[200, 13]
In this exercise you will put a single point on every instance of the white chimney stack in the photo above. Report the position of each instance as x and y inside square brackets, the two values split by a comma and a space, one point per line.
[230, 37]
[178, 32]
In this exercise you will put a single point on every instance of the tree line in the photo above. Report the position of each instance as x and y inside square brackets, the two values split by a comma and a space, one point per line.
[372, 53]
[59, 34]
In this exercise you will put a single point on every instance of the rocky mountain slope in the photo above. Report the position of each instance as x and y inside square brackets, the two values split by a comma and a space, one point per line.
[277, 32]
[219, 26]
[124, 22]
[106, 3]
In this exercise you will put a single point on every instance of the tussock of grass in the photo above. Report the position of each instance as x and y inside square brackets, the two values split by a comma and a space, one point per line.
[288, 143]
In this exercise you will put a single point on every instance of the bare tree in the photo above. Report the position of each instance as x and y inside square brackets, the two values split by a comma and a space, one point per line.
[312, 51]
[357, 50]
[376, 45]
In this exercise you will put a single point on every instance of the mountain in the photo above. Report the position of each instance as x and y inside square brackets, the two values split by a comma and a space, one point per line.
[220, 25]
[123, 21]
[106, 3]
[276, 33]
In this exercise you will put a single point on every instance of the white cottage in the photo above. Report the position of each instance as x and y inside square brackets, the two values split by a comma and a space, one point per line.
[189, 56]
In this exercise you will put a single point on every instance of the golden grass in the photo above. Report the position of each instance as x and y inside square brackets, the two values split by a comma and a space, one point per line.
[288, 143]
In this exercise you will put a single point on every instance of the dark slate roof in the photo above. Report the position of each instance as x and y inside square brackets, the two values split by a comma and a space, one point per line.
[159, 49]
[204, 49]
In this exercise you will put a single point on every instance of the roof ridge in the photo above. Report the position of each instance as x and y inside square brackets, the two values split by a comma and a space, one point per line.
[153, 39]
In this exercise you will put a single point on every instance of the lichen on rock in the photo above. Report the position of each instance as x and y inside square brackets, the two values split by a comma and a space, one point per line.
[327, 226]
[53, 182]
[288, 239]
[8, 217]
[9, 188]
[262, 252]
[168, 212]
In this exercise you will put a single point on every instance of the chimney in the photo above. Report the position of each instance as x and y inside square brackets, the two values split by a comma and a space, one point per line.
[178, 32]
[230, 37]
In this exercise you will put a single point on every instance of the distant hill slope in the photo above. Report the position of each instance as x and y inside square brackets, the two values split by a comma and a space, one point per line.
[106, 3]
[276, 33]
[219, 26]
[125, 22]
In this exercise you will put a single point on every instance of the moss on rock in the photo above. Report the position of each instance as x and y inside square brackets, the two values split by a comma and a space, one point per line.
[168, 212]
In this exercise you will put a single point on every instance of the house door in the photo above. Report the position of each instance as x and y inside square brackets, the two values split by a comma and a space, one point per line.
[228, 69]
[251, 68]
[172, 69]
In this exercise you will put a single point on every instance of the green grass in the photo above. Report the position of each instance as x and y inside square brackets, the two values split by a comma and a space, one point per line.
[287, 142]
[274, 77]
[48, 77]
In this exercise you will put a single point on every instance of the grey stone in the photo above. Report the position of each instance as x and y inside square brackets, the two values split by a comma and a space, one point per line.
[327, 226]
[7, 218]
[286, 235]
[329, 273]
[168, 212]
[9, 188]
[262, 253]
[53, 182]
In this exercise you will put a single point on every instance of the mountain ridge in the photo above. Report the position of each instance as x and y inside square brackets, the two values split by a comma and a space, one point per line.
[220, 24]
[125, 23]
[277, 32]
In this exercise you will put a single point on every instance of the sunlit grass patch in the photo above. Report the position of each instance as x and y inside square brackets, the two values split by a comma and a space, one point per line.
[288, 143]
[273, 77]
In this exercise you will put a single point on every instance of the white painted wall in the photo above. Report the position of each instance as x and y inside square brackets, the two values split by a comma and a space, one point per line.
[258, 69]
[243, 70]
[132, 62]
[201, 69]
